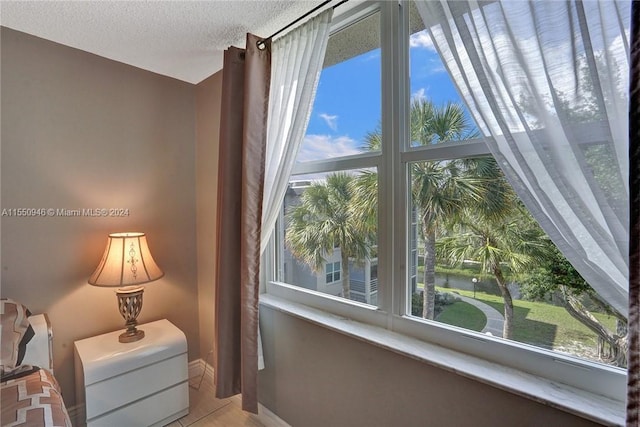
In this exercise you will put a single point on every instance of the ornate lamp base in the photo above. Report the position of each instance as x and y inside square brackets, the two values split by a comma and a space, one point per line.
[130, 305]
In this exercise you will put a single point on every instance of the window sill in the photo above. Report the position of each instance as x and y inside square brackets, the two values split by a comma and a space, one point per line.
[570, 399]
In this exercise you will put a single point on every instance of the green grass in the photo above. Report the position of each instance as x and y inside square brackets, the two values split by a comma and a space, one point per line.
[542, 324]
[464, 315]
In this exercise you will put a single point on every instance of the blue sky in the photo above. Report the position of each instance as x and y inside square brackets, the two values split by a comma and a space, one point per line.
[348, 103]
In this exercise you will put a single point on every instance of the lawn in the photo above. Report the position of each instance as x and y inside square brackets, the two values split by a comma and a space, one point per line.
[464, 315]
[537, 323]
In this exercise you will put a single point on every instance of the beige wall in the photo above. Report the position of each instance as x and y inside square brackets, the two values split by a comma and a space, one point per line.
[317, 377]
[207, 131]
[80, 131]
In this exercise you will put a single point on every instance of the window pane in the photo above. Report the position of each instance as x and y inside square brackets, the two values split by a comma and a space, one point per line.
[434, 98]
[329, 233]
[474, 247]
[328, 230]
[347, 104]
[481, 262]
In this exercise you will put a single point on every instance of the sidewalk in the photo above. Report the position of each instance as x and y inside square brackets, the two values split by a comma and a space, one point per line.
[495, 320]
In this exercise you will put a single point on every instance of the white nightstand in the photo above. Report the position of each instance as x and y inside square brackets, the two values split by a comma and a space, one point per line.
[144, 383]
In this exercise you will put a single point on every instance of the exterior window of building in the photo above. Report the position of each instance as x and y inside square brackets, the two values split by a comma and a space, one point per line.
[332, 270]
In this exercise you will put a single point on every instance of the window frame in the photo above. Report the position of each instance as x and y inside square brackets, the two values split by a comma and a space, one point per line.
[333, 272]
[392, 163]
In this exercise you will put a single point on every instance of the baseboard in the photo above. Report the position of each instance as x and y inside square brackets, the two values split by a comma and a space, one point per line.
[268, 418]
[197, 367]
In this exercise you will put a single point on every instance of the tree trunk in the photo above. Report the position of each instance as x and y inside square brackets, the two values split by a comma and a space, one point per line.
[607, 308]
[346, 286]
[429, 295]
[618, 344]
[507, 328]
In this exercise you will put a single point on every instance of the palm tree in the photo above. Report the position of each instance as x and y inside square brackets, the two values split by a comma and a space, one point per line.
[432, 124]
[364, 202]
[507, 239]
[436, 195]
[440, 189]
[324, 220]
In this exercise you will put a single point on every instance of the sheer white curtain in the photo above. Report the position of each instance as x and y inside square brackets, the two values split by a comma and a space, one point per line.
[296, 63]
[547, 83]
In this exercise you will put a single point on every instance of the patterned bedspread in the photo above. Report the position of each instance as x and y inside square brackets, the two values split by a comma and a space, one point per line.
[33, 400]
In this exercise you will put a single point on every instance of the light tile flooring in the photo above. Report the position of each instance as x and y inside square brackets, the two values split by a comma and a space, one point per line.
[205, 410]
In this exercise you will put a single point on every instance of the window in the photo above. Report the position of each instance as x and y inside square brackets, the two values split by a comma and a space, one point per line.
[416, 203]
[324, 242]
[332, 270]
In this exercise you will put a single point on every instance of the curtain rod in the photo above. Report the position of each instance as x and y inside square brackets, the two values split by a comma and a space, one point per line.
[260, 43]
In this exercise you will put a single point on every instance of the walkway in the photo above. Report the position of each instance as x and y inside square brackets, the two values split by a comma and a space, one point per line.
[495, 320]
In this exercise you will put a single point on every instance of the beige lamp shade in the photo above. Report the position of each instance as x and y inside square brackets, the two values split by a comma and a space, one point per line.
[126, 261]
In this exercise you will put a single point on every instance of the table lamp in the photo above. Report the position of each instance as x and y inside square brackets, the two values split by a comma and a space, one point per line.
[127, 263]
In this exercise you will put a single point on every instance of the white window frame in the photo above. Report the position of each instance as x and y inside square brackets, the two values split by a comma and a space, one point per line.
[393, 232]
[333, 272]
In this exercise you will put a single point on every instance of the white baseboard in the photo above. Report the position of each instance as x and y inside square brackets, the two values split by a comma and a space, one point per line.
[268, 418]
[196, 367]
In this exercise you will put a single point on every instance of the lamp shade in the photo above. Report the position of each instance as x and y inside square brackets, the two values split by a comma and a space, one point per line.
[126, 261]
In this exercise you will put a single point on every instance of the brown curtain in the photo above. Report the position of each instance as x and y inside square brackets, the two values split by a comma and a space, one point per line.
[243, 130]
[633, 392]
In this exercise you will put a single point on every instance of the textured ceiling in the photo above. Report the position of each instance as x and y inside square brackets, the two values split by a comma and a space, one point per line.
[181, 39]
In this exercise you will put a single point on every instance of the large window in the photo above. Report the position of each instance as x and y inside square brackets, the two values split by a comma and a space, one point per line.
[396, 202]
[327, 245]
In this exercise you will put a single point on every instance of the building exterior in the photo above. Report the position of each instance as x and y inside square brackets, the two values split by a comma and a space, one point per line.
[363, 280]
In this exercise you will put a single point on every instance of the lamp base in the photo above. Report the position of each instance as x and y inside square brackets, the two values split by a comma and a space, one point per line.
[130, 305]
[134, 336]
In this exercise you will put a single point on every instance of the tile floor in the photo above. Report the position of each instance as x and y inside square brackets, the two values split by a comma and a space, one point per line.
[205, 410]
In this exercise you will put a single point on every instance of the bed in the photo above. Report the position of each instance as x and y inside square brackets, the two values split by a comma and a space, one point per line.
[30, 395]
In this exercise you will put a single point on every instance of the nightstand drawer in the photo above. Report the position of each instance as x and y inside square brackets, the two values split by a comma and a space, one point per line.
[120, 390]
[141, 383]
[157, 410]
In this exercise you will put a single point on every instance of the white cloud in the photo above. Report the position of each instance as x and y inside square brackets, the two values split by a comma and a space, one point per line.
[331, 120]
[420, 94]
[421, 39]
[317, 147]
[430, 67]
[436, 67]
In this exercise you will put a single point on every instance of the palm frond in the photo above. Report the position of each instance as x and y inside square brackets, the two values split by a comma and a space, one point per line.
[323, 221]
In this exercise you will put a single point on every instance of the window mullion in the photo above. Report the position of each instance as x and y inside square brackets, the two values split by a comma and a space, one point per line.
[389, 195]
[385, 209]
[402, 301]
